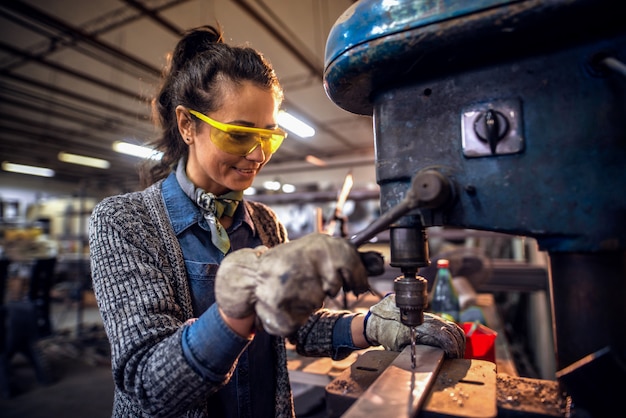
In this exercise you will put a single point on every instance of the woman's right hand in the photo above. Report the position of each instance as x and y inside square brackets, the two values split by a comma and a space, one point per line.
[284, 285]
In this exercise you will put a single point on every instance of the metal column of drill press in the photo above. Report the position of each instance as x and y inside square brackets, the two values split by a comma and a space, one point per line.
[409, 246]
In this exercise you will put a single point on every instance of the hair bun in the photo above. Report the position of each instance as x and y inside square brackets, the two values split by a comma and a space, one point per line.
[194, 42]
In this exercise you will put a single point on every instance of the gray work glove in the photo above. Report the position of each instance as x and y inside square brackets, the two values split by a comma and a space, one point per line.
[285, 284]
[383, 327]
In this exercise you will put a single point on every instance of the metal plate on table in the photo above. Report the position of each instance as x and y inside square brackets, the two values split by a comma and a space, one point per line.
[400, 390]
[463, 388]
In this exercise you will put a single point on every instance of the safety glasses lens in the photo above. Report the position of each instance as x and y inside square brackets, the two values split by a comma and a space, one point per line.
[243, 143]
[242, 140]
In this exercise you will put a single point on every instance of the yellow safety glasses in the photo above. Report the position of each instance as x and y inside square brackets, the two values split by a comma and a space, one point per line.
[242, 140]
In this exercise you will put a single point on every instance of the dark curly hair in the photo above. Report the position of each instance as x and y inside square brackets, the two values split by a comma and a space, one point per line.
[199, 64]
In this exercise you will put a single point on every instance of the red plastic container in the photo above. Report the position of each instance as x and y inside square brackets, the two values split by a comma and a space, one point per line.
[480, 344]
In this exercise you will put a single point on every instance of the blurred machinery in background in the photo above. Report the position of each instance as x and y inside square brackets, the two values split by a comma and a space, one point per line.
[515, 111]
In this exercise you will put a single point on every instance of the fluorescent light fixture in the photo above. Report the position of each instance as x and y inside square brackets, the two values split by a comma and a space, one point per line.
[295, 125]
[66, 157]
[272, 185]
[288, 188]
[27, 169]
[137, 150]
[311, 159]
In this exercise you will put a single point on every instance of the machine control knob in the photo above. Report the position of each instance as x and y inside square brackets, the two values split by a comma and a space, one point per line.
[491, 127]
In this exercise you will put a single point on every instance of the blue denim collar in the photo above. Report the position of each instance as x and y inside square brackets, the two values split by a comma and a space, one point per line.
[183, 212]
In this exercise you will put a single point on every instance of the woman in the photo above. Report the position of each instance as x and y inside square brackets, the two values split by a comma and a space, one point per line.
[155, 254]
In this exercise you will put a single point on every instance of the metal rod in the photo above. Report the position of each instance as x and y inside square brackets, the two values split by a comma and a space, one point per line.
[400, 391]
[429, 189]
[615, 65]
[381, 223]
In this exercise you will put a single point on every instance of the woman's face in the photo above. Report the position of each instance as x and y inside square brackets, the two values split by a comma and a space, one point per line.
[219, 172]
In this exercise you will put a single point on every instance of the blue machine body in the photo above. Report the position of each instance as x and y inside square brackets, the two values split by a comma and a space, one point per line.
[419, 67]
[516, 105]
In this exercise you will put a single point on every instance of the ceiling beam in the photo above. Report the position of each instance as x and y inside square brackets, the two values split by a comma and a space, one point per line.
[152, 14]
[313, 66]
[67, 93]
[78, 34]
[71, 72]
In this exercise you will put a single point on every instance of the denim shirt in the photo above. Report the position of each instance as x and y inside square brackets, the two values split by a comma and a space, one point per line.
[210, 346]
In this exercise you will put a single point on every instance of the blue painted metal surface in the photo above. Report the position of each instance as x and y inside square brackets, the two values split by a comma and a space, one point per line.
[367, 21]
[418, 66]
[364, 43]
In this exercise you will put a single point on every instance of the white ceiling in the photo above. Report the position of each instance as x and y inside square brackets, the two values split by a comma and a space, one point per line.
[78, 75]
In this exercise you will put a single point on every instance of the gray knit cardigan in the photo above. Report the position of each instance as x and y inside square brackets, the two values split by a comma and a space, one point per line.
[143, 295]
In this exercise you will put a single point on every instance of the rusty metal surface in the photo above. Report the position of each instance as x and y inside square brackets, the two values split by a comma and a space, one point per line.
[463, 388]
[346, 388]
[400, 390]
[521, 396]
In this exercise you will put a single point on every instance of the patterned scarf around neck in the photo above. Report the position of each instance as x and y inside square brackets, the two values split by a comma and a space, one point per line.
[212, 207]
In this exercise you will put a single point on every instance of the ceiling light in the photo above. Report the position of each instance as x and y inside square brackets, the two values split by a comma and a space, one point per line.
[27, 169]
[272, 185]
[137, 150]
[288, 188]
[250, 191]
[295, 125]
[311, 159]
[66, 157]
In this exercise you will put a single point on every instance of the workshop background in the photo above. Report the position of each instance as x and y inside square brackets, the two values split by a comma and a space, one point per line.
[77, 77]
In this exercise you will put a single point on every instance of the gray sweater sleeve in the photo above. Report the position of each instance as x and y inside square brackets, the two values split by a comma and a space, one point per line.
[143, 302]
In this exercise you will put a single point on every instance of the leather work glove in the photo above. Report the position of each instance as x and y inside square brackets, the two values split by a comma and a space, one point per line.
[285, 284]
[383, 327]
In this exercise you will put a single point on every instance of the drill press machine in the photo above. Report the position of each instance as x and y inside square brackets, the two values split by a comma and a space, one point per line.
[520, 106]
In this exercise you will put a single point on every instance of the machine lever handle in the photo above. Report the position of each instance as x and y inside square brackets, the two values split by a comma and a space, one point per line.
[429, 189]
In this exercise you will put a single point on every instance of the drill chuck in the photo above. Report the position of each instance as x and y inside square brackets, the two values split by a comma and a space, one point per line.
[411, 299]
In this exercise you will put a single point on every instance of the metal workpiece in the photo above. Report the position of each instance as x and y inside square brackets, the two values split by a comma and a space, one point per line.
[462, 388]
[349, 385]
[400, 390]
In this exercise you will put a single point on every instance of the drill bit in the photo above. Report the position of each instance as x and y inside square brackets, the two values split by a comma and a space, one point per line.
[413, 344]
